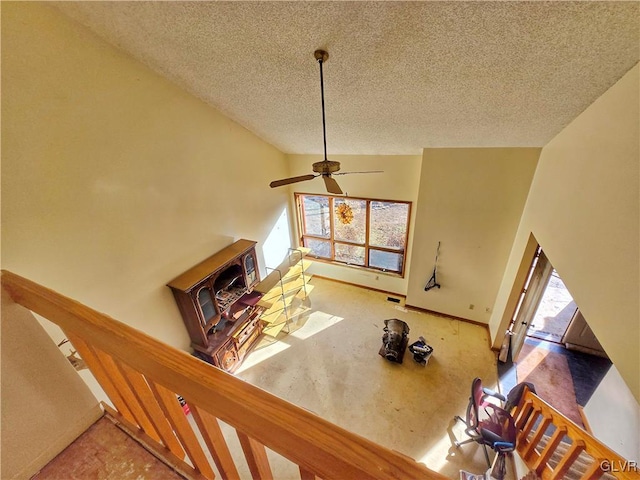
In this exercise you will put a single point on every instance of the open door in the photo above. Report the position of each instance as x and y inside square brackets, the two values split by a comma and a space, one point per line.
[532, 295]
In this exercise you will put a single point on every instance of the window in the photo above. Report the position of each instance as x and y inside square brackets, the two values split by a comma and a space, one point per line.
[355, 231]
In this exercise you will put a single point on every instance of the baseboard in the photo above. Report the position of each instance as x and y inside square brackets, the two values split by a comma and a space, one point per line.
[386, 292]
[585, 421]
[446, 315]
[406, 305]
[453, 317]
[413, 307]
[583, 349]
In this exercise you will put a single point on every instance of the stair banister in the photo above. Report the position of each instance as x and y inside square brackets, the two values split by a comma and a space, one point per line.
[142, 376]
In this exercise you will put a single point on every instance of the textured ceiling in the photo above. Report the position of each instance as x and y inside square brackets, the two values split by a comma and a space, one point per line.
[400, 77]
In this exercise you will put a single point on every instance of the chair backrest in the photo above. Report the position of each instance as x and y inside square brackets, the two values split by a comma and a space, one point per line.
[475, 402]
[496, 428]
[501, 425]
[516, 393]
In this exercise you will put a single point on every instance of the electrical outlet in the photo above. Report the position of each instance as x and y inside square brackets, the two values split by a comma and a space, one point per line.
[471, 306]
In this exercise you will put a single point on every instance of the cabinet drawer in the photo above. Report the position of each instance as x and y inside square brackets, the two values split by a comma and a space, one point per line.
[242, 351]
[244, 334]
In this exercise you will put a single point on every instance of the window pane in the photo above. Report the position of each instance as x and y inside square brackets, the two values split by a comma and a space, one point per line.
[316, 216]
[388, 261]
[350, 254]
[388, 227]
[350, 220]
[345, 229]
[319, 248]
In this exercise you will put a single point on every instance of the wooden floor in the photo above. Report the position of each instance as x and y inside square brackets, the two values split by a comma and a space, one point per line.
[105, 452]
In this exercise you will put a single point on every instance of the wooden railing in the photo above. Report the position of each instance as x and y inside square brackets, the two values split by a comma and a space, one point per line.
[552, 446]
[143, 376]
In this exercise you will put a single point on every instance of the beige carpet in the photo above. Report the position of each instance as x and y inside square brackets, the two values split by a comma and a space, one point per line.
[549, 372]
[329, 364]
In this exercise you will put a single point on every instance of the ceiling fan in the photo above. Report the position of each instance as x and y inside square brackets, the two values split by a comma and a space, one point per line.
[325, 168]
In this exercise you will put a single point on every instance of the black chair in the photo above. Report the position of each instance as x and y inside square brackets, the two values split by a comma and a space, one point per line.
[488, 424]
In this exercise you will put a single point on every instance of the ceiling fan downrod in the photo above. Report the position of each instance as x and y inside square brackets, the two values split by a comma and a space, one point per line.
[324, 168]
[322, 56]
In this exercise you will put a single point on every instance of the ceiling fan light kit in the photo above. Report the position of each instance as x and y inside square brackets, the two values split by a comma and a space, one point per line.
[326, 167]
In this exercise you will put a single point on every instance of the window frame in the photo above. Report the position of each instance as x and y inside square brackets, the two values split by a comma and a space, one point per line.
[301, 224]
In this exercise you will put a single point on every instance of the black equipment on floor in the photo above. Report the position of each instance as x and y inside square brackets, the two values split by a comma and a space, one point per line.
[394, 340]
[421, 351]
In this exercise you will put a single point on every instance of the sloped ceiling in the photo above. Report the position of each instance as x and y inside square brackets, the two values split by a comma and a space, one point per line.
[401, 75]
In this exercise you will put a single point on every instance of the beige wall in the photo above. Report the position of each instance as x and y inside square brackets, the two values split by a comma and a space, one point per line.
[399, 181]
[45, 404]
[614, 416]
[470, 200]
[584, 209]
[114, 180]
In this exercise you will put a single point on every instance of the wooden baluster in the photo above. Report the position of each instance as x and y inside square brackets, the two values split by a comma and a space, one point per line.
[541, 462]
[594, 471]
[322, 448]
[149, 403]
[111, 366]
[524, 433]
[256, 456]
[530, 449]
[569, 457]
[101, 376]
[213, 437]
[306, 474]
[170, 405]
[522, 414]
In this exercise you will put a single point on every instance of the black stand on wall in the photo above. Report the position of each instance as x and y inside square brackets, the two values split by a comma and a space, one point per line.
[432, 283]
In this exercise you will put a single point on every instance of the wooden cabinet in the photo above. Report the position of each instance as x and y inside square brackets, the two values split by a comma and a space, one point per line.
[218, 304]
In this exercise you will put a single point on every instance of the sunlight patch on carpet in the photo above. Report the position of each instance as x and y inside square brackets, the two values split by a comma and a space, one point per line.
[316, 322]
[262, 352]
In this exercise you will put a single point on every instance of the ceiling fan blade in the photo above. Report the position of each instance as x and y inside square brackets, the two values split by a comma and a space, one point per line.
[332, 185]
[370, 171]
[287, 181]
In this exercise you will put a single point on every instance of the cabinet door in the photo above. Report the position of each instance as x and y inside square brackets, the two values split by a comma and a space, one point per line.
[227, 357]
[206, 305]
[250, 269]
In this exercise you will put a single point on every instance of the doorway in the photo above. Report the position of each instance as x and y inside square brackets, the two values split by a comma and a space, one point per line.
[547, 312]
[552, 345]
[554, 313]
